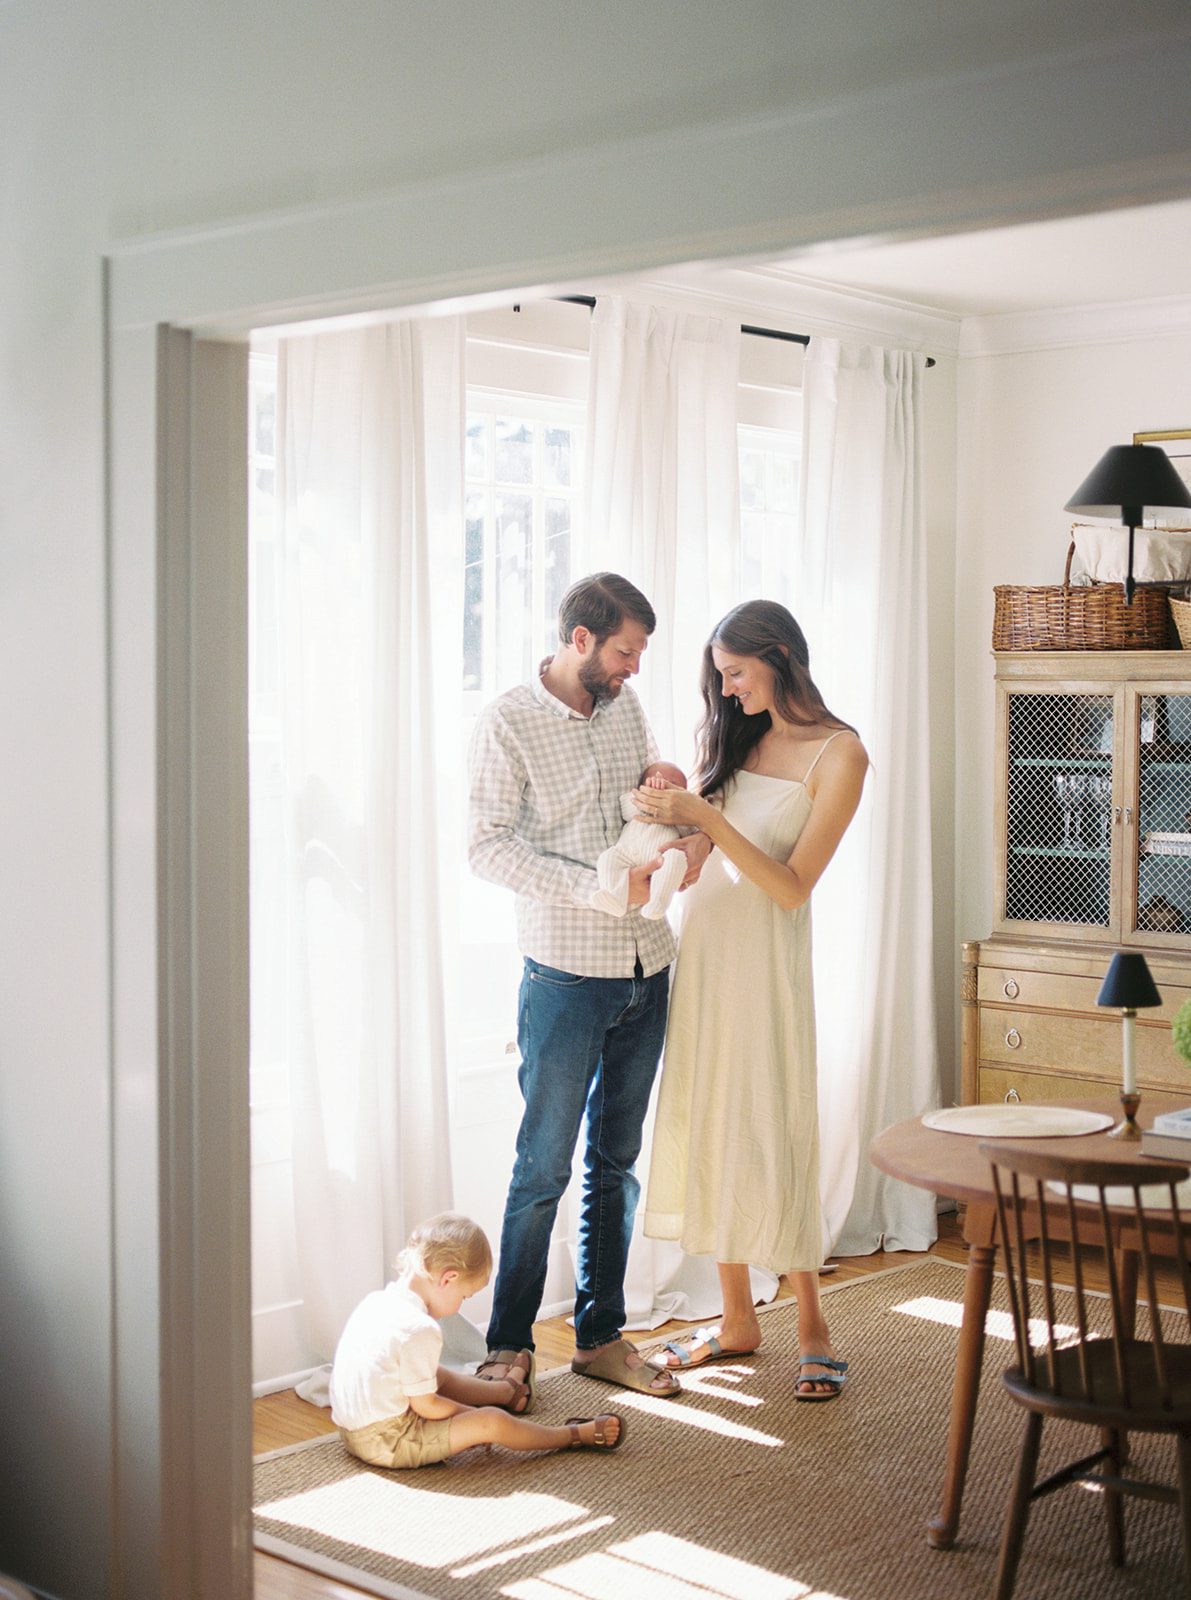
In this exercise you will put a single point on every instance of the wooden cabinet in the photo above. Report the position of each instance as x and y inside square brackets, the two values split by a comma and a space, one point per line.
[1092, 854]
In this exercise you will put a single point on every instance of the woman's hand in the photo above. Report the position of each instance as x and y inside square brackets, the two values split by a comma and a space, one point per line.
[696, 847]
[672, 805]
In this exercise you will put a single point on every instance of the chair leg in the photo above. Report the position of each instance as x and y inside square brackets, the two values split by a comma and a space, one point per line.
[1114, 1442]
[1184, 1444]
[1019, 1508]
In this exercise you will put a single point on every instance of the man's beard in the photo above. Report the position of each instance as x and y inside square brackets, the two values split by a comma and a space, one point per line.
[597, 682]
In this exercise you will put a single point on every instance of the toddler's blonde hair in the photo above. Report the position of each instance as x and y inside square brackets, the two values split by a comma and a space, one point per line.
[448, 1242]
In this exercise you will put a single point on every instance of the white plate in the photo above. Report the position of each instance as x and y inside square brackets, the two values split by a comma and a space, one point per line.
[1017, 1122]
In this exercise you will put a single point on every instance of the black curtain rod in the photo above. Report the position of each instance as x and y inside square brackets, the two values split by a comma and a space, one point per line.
[588, 300]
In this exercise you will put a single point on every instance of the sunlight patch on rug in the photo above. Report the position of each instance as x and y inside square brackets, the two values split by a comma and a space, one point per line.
[664, 1568]
[997, 1324]
[415, 1524]
[723, 1575]
[709, 1421]
[503, 1557]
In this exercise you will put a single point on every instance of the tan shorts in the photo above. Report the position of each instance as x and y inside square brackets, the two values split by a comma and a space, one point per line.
[405, 1441]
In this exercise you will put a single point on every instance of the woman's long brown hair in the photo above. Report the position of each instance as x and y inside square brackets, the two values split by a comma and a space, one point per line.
[765, 630]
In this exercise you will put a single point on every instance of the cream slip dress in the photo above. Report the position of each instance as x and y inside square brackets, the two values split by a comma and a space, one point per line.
[734, 1171]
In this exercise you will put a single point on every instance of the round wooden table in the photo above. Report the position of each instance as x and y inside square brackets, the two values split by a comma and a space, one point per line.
[950, 1164]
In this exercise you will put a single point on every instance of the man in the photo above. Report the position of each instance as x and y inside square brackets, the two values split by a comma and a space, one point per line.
[549, 762]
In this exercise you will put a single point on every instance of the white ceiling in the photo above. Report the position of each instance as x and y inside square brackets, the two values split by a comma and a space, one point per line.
[1119, 256]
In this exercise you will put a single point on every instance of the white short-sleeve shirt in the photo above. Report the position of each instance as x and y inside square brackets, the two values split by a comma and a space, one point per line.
[389, 1349]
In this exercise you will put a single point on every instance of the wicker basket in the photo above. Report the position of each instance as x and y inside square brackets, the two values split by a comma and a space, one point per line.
[1180, 613]
[1056, 616]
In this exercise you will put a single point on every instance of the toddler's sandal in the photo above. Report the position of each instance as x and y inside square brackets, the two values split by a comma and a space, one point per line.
[601, 1441]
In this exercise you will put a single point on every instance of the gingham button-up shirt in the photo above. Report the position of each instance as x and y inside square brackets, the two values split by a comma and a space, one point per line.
[545, 802]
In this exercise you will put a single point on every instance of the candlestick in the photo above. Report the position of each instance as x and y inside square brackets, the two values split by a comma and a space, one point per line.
[1128, 1053]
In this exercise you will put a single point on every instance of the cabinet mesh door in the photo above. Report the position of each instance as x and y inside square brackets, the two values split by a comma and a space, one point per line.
[1164, 813]
[1059, 833]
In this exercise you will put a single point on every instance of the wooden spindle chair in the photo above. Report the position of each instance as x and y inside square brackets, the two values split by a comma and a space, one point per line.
[1117, 1383]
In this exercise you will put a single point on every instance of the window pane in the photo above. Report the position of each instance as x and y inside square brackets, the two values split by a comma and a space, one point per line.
[752, 480]
[557, 566]
[473, 593]
[514, 450]
[783, 482]
[524, 462]
[769, 479]
[557, 463]
[514, 530]
[476, 456]
[752, 552]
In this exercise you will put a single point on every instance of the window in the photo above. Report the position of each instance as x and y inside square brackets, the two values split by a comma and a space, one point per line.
[522, 545]
[522, 464]
[769, 470]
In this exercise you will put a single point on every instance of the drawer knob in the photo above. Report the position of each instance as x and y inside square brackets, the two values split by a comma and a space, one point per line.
[1011, 989]
[1013, 1039]
[1013, 1098]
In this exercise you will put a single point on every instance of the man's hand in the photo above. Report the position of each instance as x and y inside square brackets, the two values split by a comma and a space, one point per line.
[696, 847]
[639, 881]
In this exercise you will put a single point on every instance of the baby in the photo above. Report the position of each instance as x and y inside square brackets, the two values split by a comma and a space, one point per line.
[640, 843]
[395, 1406]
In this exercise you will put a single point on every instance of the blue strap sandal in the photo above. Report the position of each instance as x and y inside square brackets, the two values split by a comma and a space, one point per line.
[681, 1349]
[835, 1377]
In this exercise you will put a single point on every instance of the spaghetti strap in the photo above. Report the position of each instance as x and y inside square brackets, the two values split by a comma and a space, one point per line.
[820, 751]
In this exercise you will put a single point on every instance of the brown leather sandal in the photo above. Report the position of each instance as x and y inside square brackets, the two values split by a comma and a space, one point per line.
[601, 1441]
[521, 1391]
[499, 1358]
[514, 1360]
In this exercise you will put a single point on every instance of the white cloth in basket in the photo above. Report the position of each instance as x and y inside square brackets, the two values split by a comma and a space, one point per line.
[1160, 555]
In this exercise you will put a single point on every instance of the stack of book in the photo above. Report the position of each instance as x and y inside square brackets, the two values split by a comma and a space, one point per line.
[1170, 1136]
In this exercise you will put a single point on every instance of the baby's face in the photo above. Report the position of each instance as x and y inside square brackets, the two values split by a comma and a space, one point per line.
[664, 772]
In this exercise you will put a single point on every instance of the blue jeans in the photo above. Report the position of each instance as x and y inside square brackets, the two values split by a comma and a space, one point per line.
[588, 1045]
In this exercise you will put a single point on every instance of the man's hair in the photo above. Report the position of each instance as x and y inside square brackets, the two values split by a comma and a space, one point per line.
[448, 1242]
[600, 603]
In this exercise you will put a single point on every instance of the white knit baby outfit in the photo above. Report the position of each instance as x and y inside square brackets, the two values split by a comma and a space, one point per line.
[640, 842]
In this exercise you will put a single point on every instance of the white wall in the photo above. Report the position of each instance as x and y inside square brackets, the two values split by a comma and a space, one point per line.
[125, 117]
[1032, 424]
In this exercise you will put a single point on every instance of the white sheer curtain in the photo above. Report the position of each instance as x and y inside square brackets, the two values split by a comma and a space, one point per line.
[370, 457]
[662, 484]
[663, 508]
[861, 600]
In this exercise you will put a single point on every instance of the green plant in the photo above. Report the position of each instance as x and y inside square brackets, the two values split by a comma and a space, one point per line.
[1180, 1031]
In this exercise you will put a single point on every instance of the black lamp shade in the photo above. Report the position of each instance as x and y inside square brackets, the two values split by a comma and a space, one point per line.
[1129, 482]
[1128, 983]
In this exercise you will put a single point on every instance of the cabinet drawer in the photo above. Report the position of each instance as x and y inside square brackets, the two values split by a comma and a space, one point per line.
[1061, 991]
[1084, 1046]
[1054, 1088]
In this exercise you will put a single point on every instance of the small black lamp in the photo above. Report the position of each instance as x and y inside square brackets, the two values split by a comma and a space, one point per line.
[1128, 984]
[1129, 483]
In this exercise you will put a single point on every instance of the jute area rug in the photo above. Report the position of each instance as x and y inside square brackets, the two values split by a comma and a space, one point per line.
[735, 1491]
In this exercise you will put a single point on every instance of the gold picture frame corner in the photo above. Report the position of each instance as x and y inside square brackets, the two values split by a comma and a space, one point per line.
[1164, 436]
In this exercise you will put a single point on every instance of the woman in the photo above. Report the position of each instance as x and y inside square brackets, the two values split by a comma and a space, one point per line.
[735, 1165]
